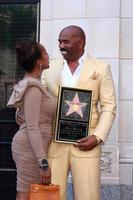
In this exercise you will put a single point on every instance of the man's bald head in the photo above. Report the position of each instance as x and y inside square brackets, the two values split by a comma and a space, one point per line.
[76, 30]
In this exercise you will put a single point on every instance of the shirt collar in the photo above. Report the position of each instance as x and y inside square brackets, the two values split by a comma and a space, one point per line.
[80, 59]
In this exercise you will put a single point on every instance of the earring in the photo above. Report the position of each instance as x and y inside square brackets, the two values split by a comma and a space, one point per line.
[40, 65]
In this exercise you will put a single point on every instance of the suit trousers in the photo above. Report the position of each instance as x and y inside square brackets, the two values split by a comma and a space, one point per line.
[85, 174]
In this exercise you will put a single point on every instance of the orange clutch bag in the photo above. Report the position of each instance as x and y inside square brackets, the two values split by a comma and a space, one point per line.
[44, 192]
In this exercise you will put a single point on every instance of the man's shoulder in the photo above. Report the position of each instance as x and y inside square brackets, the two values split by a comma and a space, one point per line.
[98, 63]
[54, 67]
[56, 62]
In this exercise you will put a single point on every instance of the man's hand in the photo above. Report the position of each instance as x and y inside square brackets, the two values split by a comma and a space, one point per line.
[87, 143]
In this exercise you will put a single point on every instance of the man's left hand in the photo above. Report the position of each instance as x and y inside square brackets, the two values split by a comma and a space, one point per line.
[87, 143]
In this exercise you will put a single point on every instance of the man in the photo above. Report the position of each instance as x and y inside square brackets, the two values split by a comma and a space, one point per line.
[80, 71]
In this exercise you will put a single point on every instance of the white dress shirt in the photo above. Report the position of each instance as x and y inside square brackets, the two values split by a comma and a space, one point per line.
[69, 79]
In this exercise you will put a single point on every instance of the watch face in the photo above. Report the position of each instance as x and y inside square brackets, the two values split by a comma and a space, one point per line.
[44, 161]
[44, 164]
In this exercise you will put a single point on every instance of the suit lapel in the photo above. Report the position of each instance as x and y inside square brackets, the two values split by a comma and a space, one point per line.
[88, 71]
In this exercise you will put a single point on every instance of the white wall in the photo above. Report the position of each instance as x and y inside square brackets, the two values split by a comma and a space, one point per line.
[126, 93]
[109, 28]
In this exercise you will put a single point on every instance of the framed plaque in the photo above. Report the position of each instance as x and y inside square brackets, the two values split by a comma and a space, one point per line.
[73, 114]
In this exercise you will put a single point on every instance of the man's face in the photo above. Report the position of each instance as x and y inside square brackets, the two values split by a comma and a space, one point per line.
[70, 45]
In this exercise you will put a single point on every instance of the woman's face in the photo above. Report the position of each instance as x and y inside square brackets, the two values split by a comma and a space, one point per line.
[44, 60]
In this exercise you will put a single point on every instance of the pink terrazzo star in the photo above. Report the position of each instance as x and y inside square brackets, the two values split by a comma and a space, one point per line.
[75, 106]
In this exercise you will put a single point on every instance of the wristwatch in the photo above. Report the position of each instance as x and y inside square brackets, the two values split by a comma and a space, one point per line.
[99, 141]
[44, 165]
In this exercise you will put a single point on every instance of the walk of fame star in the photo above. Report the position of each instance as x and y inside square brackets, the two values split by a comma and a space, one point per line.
[75, 106]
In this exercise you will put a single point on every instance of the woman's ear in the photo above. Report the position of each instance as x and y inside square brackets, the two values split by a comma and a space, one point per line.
[38, 62]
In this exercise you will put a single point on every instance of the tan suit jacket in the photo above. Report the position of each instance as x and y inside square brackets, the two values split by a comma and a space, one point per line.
[96, 76]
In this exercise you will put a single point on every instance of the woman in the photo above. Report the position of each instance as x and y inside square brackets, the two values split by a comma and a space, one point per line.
[30, 143]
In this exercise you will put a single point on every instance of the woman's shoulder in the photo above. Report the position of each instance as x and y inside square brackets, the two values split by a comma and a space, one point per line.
[21, 88]
[34, 83]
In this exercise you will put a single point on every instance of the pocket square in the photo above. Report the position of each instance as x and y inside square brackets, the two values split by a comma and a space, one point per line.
[94, 76]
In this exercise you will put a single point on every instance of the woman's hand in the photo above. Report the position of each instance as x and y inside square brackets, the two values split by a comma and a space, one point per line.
[45, 176]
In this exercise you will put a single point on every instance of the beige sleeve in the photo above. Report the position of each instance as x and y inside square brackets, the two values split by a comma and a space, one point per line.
[32, 106]
[107, 104]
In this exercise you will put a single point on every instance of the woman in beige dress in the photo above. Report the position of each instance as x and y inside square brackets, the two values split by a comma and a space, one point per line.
[30, 143]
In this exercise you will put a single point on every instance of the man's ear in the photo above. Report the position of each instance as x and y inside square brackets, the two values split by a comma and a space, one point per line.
[81, 44]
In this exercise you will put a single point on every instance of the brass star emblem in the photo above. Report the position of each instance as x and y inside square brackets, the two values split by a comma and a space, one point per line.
[75, 106]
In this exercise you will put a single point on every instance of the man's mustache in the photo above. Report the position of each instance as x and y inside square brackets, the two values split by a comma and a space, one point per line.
[63, 49]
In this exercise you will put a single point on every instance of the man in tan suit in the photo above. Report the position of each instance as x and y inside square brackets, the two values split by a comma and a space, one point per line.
[80, 71]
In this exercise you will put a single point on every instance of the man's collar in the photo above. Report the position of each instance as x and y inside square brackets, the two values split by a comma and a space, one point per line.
[80, 59]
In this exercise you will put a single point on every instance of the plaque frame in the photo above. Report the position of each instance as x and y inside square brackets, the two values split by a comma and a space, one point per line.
[77, 121]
